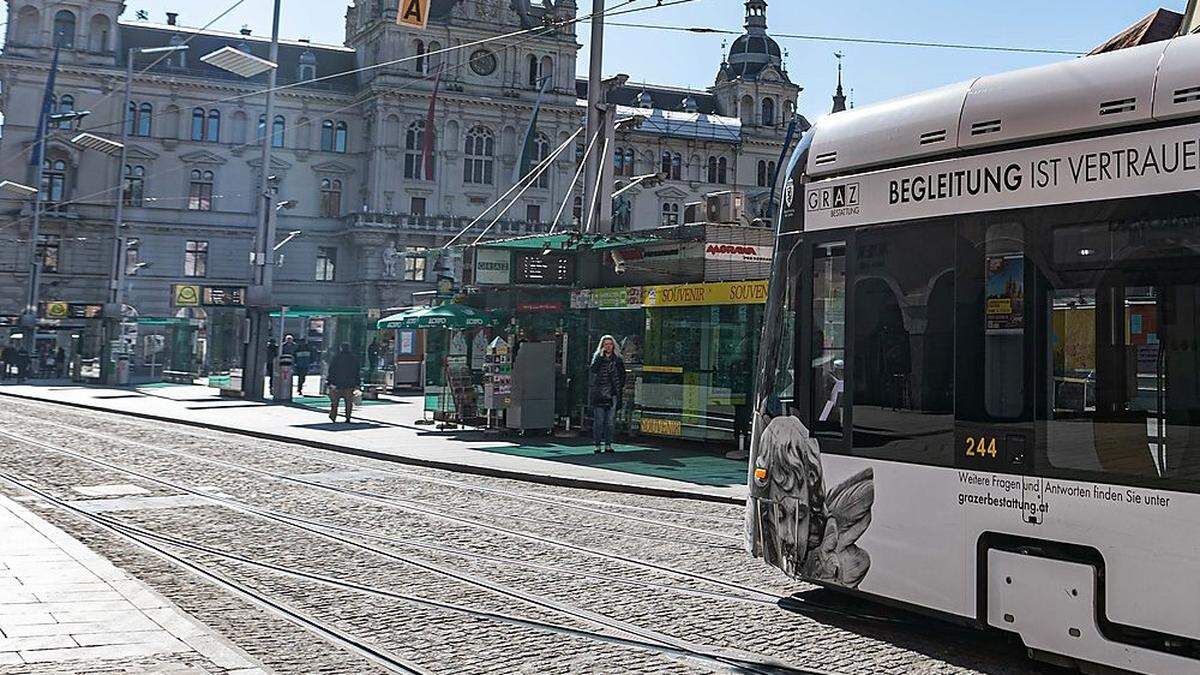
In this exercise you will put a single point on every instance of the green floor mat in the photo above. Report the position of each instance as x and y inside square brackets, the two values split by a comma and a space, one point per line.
[699, 467]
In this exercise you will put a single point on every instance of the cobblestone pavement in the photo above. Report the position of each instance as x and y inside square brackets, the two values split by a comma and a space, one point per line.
[445, 572]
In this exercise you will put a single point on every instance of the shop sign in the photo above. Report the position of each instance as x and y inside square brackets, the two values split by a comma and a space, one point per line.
[662, 369]
[582, 299]
[661, 427]
[493, 267]
[223, 296]
[738, 252]
[544, 270]
[693, 295]
[534, 307]
[186, 295]
[71, 310]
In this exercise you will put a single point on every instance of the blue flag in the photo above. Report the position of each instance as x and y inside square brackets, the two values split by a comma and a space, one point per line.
[35, 158]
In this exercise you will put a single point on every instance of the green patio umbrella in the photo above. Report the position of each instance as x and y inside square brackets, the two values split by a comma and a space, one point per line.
[451, 315]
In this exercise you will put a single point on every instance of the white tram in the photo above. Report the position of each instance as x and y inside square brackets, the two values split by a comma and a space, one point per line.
[979, 388]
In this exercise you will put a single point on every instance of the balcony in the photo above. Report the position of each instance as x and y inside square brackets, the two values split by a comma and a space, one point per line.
[445, 225]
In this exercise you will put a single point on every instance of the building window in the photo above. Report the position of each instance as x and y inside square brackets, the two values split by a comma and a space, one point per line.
[718, 170]
[195, 259]
[200, 192]
[64, 29]
[66, 104]
[672, 165]
[47, 251]
[54, 180]
[419, 65]
[416, 206]
[206, 125]
[533, 213]
[478, 166]
[132, 256]
[414, 153]
[577, 212]
[541, 150]
[624, 162]
[533, 70]
[331, 198]
[766, 173]
[277, 130]
[145, 113]
[414, 263]
[670, 214]
[333, 136]
[326, 263]
[135, 185]
[768, 112]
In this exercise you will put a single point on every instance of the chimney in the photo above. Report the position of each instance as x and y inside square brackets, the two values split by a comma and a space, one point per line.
[245, 30]
[172, 18]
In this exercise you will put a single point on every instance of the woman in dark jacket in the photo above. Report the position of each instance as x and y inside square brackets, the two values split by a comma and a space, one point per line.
[605, 391]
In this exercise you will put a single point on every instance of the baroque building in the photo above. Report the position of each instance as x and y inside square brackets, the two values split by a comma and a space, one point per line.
[349, 136]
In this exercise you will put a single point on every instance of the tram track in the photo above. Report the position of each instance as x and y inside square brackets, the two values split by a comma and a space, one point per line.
[376, 498]
[598, 507]
[738, 662]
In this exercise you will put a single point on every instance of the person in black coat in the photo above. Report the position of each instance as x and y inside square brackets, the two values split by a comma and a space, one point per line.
[605, 391]
[343, 379]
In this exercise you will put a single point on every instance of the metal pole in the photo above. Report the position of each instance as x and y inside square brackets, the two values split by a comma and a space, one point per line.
[262, 274]
[29, 319]
[116, 283]
[595, 100]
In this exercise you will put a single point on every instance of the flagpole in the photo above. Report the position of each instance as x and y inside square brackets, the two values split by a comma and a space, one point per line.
[428, 139]
[525, 159]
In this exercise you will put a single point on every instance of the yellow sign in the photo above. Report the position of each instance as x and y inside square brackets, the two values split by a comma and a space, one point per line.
[692, 295]
[662, 369]
[413, 13]
[186, 295]
[57, 310]
[659, 427]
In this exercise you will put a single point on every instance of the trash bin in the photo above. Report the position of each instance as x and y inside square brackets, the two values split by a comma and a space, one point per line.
[122, 369]
[283, 378]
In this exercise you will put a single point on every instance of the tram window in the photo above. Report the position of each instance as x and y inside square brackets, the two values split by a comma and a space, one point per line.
[778, 383]
[990, 323]
[828, 393]
[1120, 296]
[903, 343]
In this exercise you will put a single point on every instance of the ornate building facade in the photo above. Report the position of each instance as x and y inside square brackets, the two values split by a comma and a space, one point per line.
[349, 135]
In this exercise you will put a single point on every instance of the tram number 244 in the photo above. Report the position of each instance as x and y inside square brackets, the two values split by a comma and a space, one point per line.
[982, 447]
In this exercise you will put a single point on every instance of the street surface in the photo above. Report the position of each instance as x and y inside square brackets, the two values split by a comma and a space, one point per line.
[317, 562]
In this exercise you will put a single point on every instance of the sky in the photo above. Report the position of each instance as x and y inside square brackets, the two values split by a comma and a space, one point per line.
[874, 72]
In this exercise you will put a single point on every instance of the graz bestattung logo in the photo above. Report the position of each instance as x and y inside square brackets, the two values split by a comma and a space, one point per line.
[839, 200]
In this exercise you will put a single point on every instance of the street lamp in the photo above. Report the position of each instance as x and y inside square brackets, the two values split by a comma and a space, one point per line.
[259, 294]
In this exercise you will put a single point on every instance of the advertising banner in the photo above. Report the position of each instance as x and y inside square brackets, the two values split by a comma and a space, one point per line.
[493, 267]
[693, 295]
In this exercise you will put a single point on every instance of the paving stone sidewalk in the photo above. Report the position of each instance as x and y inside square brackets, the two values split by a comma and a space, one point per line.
[391, 429]
[63, 608]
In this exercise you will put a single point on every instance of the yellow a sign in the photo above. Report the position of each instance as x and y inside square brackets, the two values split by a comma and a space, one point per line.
[57, 310]
[187, 295]
[413, 13]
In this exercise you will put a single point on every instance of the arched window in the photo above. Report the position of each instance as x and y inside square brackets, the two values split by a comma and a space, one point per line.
[98, 31]
[619, 162]
[331, 198]
[746, 111]
[676, 167]
[135, 185]
[768, 112]
[198, 124]
[212, 132]
[64, 29]
[340, 133]
[414, 153]
[762, 173]
[479, 150]
[54, 181]
[277, 129]
[29, 29]
[433, 58]
[712, 169]
[722, 171]
[239, 127]
[630, 162]
[533, 70]
[145, 113]
[541, 150]
[66, 104]
[771, 174]
[419, 65]
[670, 214]
[327, 136]
[200, 191]
[547, 68]
[789, 111]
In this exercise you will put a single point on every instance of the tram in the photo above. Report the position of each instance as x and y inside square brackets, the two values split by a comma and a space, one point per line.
[979, 379]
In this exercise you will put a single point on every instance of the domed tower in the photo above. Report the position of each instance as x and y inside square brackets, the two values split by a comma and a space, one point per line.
[753, 82]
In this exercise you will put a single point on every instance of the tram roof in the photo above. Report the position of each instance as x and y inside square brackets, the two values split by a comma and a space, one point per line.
[1154, 82]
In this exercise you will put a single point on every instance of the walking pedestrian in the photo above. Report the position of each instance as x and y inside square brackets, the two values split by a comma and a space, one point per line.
[60, 363]
[7, 356]
[606, 390]
[343, 380]
[303, 356]
[272, 354]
